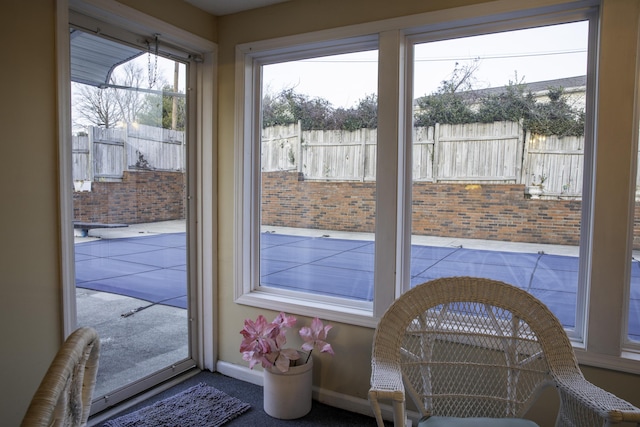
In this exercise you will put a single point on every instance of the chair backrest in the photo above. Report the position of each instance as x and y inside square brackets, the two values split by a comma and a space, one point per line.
[471, 347]
[64, 395]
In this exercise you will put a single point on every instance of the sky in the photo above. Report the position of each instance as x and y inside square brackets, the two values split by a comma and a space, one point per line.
[159, 73]
[537, 54]
[163, 70]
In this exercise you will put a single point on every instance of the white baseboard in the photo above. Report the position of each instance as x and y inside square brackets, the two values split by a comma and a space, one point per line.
[329, 397]
[239, 372]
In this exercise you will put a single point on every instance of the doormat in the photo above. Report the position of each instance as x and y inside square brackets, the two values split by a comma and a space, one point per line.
[198, 406]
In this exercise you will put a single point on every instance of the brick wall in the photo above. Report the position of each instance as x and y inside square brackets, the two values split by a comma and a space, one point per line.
[142, 196]
[292, 202]
[487, 211]
[494, 212]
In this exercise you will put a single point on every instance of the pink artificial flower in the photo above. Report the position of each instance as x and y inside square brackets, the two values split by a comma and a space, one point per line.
[259, 340]
[283, 322]
[263, 342]
[315, 336]
[286, 321]
[284, 358]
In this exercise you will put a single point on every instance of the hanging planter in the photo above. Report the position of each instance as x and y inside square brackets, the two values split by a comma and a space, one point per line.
[287, 395]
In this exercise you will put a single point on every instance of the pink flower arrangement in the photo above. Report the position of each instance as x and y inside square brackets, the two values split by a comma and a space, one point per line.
[263, 342]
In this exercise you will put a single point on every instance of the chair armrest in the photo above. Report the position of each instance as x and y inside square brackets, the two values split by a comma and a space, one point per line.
[587, 404]
[65, 393]
[386, 383]
[386, 380]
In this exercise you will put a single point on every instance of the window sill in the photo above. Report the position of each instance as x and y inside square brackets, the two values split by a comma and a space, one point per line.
[627, 362]
[327, 310]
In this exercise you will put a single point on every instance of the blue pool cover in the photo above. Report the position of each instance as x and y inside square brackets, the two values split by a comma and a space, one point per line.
[153, 268]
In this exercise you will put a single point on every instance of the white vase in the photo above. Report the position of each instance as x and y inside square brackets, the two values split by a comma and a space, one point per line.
[287, 395]
[535, 191]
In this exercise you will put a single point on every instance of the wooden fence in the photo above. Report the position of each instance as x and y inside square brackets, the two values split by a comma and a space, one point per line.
[104, 154]
[471, 153]
[498, 152]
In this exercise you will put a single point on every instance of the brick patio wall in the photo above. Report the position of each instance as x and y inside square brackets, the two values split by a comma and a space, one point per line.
[478, 211]
[494, 212]
[142, 196]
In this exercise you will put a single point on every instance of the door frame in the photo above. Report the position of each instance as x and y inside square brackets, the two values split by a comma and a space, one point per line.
[201, 197]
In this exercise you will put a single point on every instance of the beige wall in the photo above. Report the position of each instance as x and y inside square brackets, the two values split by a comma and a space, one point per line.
[179, 13]
[30, 307]
[30, 317]
[30, 277]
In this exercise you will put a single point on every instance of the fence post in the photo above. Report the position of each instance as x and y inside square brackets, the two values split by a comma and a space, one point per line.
[125, 149]
[526, 160]
[520, 152]
[436, 151]
[90, 161]
[299, 141]
[364, 154]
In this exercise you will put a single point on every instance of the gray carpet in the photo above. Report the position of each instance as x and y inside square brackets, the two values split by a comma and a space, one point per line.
[198, 406]
[320, 415]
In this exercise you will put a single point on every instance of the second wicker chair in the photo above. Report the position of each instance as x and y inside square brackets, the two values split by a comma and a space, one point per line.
[64, 395]
[477, 350]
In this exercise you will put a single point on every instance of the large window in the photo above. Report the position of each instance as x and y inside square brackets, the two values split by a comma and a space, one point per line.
[317, 163]
[311, 175]
[498, 160]
[484, 147]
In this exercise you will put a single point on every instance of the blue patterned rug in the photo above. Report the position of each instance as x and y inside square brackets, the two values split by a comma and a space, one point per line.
[198, 406]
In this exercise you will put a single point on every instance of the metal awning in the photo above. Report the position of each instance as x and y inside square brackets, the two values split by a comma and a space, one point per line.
[94, 58]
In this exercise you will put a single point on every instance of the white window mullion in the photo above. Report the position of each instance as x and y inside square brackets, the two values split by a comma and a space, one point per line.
[614, 183]
[66, 178]
[389, 250]
[244, 178]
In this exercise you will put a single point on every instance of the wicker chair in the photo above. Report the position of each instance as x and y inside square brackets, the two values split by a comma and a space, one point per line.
[64, 395]
[465, 347]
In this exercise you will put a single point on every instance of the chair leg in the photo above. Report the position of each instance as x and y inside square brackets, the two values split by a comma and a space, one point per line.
[377, 412]
[398, 413]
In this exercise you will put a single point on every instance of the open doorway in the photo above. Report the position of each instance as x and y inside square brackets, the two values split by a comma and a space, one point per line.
[131, 151]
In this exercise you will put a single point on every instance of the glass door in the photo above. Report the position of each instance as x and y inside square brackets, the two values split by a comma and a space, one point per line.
[130, 167]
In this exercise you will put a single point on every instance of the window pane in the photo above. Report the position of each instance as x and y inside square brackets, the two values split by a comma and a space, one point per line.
[129, 204]
[318, 156]
[498, 145]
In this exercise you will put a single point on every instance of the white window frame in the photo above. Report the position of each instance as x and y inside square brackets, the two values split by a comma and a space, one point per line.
[394, 176]
[251, 57]
[578, 333]
[632, 348]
